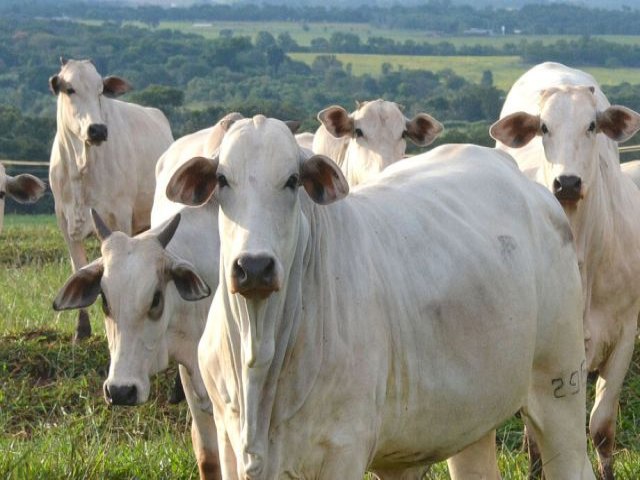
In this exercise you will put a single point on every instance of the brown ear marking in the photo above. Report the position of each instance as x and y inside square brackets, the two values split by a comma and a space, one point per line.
[323, 181]
[337, 121]
[423, 129]
[113, 86]
[515, 130]
[194, 181]
[25, 188]
[618, 123]
[54, 84]
[82, 288]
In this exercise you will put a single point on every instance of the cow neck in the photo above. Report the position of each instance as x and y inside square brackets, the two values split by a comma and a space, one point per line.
[282, 374]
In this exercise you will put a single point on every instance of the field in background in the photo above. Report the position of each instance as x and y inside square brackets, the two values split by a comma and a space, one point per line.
[303, 33]
[55, 424]
[505, 69]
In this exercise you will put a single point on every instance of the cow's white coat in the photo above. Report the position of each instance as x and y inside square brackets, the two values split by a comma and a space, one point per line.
[378, 349]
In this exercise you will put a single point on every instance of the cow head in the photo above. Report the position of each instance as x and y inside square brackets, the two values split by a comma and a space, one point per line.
[256, 174]
[132, 278]
[23, 188]
[377, 131]
[80, 89]
[568, 124]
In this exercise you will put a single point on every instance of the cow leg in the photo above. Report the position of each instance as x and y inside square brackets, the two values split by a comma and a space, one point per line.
[177, 393]
[602, 424]
[203, 432]
[78, 260]
[477, 461]
[555, 414]
[535, 460]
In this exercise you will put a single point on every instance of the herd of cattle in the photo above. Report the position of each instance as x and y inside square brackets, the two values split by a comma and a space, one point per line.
[335, 307]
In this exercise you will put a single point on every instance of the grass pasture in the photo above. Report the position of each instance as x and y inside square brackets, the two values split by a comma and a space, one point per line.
[303, 32]
[505, 69]
[55, 424]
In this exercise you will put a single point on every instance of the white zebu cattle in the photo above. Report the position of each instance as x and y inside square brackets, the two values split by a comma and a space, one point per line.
[23, 188]
[103, 157]
[365, 142]
[142, 339]
[561, 129]
[361, 334]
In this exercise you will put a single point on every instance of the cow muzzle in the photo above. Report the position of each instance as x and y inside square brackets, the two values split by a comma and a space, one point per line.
[567, 189]
[97, 133]
[254, 276]
[121, 394]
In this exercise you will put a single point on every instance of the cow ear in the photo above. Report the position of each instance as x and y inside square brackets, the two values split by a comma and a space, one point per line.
[189, 284]
[516, 130]
[25, 188]
[618, 123]
[82, 288]
[115, 86]
[54, 84]
[194, 181]
[323, 180]
[422, 129]
[337, 121]
[293, 125]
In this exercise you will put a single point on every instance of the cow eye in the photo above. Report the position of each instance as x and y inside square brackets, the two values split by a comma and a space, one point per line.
[292, 182]
[544, 129]
[105, 304]
[156, 305]
[70, 91]
[358, 132]
[592, 127]
[2, 194]
[222, 181]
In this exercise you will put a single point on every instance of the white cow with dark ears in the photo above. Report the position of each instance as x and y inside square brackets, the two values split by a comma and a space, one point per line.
[373, 137]
[103, 157]
[562, 131]
[343, 335]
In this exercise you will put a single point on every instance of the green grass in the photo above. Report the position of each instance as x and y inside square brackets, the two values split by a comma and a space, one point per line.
[55, 424]
[303, 33]
[505, 69]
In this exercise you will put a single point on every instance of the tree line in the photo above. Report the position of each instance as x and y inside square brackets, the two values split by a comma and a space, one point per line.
[433, 15]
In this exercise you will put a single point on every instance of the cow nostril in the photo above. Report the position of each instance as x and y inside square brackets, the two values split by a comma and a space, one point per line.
[557, 186]
[107, 393]
[239, 272]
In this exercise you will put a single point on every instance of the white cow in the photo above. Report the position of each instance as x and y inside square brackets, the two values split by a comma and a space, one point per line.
[103, 157]
[153, 316]
[363, 334]
[563, 133]
[371, 138]
[23, 188]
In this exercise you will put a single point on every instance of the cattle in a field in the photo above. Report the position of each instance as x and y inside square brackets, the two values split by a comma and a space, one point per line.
[103, 157]
[564, 134]
[23, 188]
[368, 140]
[144, 337]
[362, 334]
